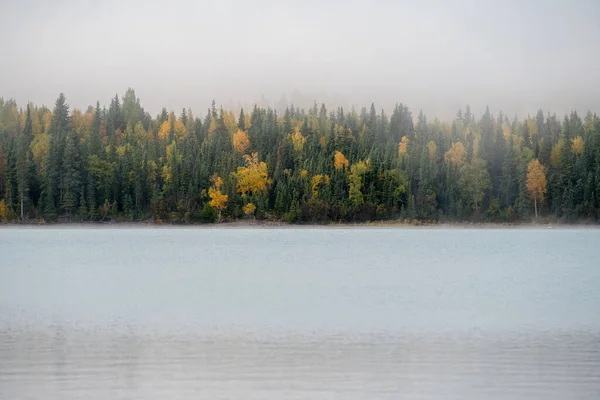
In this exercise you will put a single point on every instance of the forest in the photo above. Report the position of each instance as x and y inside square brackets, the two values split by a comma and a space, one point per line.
[300, 166]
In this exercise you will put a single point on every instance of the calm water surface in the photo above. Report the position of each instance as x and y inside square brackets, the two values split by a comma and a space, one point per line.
[230, 313]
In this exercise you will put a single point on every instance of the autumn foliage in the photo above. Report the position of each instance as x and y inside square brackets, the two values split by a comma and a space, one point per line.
[577, 145]
[317, 181]
[431, 150]
[457, 155]
[297, 141]
[403, 146]
[249, 209]
[340, 161]
[218, 200]
[241, 143]
[4, 211]
[253, 178]
[536, 182]
[298, 164]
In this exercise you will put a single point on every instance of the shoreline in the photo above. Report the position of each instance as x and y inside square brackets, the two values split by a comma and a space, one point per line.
[150, 224]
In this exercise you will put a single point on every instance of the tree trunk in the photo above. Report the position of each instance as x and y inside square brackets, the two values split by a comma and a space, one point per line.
[22, 218]
[535, 206]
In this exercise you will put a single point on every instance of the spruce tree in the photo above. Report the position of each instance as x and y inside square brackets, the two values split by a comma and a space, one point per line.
[71, 176]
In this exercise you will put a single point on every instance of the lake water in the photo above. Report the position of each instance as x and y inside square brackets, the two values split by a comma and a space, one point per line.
[309, 313]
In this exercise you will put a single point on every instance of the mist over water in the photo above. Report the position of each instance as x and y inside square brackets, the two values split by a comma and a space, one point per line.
[299, 313]
[305, 313]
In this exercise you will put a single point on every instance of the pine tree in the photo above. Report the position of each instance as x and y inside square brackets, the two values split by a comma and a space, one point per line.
[95, 142]
[11, 188]
[526, 136]
[71, 176]
[91, 200]
[82, 213]
[509, 179]
[23, 163]
[242, 120]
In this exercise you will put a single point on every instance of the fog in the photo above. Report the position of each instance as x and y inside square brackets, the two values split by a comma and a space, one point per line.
[432, 55]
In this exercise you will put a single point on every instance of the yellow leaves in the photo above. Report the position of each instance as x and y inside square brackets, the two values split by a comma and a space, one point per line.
[355, 182]
[217, 182]
[121, 151]
[82, 123]
[247, 122]
[180, 130]
[555, 155]
[360, 167]
[36, 126]
[297, 141]
[431, 150]
[253, 178]
[304, 173]
[287, 171]
[403, 146]
[241, 143]
[230, 122]
[212, 126]
[297, 124]
[249, 209]
[39, 148]
[47, 121]
[218, 200]
[532, 126]
[139, 132]
[322, 141]
[316, 181]
[163, 132]
[577, 145]
[166, 174]
[4, 211]
[456, 155]
[536, 180]
[340, 161]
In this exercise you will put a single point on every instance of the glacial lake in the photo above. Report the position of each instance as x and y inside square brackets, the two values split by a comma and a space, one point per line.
[299, 313]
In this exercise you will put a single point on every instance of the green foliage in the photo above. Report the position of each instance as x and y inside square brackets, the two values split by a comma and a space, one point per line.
[303, 166]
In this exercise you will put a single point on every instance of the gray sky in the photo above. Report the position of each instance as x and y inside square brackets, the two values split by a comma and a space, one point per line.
[436, 55]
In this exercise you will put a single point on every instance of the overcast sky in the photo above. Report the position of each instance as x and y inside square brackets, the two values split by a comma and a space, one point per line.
[432, 55]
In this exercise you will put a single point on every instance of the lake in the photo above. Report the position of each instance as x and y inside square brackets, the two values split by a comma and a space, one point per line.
[299, 313]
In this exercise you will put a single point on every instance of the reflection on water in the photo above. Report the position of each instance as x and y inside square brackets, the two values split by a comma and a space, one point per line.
[76, 365]
[299, 314]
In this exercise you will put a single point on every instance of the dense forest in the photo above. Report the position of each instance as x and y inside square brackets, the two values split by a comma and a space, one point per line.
[315, 165]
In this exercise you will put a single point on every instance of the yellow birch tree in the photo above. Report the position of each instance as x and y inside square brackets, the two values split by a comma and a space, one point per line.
[536, 182]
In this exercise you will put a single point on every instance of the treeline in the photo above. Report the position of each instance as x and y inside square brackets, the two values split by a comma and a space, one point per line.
[310, 165]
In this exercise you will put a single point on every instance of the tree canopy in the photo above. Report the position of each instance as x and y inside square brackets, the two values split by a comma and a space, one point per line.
[119, 162]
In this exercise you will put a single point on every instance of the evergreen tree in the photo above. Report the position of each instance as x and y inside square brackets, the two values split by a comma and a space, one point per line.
[161, 167]
[71, 177]
[95, 142]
